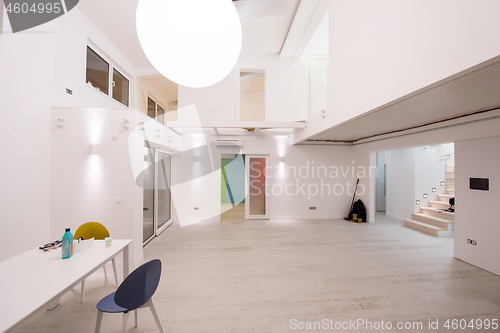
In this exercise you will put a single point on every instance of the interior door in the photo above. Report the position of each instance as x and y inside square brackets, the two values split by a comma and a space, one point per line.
[163, 193]
[256, 187]
[381, 180]
[148, 185]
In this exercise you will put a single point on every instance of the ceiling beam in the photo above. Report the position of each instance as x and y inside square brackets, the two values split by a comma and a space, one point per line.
[304, 25]
[238, 124]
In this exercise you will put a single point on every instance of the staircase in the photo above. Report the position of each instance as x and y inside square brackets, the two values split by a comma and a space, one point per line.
[432, 220]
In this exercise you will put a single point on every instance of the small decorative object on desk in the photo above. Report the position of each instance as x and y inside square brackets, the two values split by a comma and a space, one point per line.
[51, 246]
[108, 241]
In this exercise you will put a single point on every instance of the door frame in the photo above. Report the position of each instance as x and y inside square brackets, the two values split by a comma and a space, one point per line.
[267, 194]
[161, 229]
[147, 145]
[158, 231]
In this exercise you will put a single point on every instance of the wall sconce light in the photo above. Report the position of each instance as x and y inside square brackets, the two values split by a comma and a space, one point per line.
[442, 183]
[418, 202]
[425, 195]
[126, 125]
[282, 159]
[434, 189]
[93, 149]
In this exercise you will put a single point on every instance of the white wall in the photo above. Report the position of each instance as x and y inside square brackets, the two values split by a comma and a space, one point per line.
[223, 96]
[287, 85]
[85, 186]
[74, 33]
[400, 200]
[429, 173]
[305, 189]
[26, 64]
[383, 50]
[37, 67]
[376, 47]
[411, 172]
[476, 214]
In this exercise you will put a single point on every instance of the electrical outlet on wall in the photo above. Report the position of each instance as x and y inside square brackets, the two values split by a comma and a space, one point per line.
[312, 208]
[196, 208]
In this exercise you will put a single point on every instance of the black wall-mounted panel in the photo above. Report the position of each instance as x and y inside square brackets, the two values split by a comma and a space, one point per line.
[482, 184]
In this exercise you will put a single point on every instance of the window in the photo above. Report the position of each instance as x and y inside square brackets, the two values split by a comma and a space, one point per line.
[97, 71]
[120, 87]
[155, 111]
[252, 96]
[101, 77]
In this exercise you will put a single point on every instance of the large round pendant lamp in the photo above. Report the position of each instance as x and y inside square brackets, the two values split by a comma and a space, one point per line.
[194, 43]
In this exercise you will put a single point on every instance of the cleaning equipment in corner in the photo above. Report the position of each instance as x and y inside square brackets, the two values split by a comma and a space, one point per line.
[67, 244]
[357, 212]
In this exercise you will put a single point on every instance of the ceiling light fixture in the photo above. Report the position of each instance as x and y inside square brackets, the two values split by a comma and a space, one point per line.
[193, 43]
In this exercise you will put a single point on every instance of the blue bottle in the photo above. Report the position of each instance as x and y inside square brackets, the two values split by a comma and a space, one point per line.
[67, 244]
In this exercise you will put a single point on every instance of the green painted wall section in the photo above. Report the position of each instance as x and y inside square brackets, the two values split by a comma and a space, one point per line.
[223, 189]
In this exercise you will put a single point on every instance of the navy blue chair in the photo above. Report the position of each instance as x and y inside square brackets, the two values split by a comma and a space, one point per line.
[136, 291]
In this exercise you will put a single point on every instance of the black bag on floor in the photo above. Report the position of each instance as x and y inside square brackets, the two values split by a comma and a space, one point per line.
[358, 208]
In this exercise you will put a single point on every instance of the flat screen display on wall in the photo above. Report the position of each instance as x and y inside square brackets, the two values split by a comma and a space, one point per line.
[482, 184]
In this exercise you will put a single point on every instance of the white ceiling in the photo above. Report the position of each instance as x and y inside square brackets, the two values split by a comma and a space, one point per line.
[473, 90]
[265, 25]
[168, 88]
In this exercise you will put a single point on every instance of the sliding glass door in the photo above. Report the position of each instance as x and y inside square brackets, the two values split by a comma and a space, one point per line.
[148, 185]
[256, 187]
[164, 199]
[157, 199]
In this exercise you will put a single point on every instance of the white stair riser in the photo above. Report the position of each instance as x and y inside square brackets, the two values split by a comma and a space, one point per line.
[421, 227]
[444, 197]
[428, 219]
[428, 229]
[439, 204]
[443, 215]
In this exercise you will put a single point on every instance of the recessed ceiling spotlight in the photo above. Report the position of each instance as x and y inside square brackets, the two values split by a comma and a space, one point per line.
[434, 189]
[425, 195]
[442, 183]
[418, 202]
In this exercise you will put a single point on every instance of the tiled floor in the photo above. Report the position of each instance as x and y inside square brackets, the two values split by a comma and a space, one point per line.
[257, 276]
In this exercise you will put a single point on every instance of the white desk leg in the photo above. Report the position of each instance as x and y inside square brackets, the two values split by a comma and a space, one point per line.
[82, 295]
[126, 261]
[113, 261]
[53, 304]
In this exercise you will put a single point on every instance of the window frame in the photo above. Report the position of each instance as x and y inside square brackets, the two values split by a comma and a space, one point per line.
[155, 100]
[112, 66]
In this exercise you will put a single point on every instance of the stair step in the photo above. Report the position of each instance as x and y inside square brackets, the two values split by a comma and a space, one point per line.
[450, 186]
[439, 204]
[432, 220]
[437, 213]
[450, 169]
[450, 175]
[427, 228]
[445, 197]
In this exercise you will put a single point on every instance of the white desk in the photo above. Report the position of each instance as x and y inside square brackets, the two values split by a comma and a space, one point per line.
[32, 280]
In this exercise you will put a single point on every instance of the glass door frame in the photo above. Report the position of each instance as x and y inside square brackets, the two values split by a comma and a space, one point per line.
[158, 231]
[266, 216]
[161, 229]
[146, 145]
